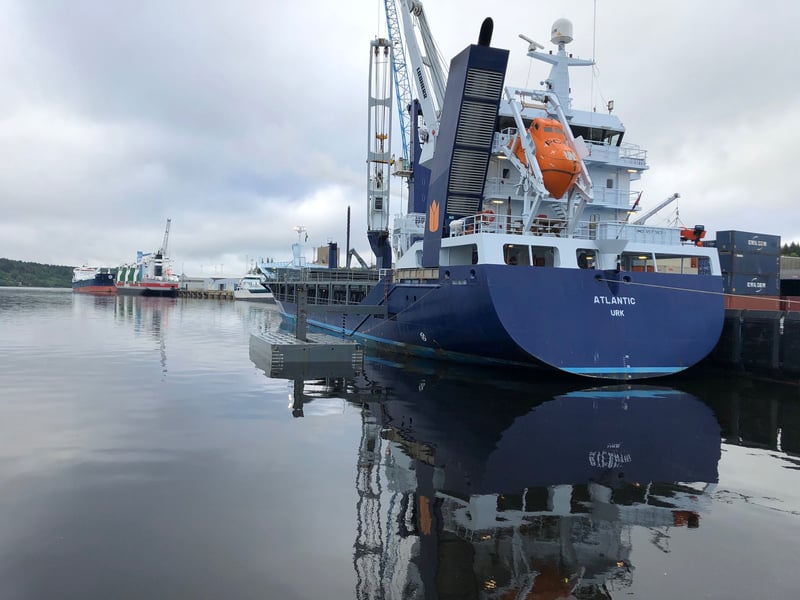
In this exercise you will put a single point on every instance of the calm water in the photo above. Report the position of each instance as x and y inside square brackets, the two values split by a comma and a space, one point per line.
[145, 454]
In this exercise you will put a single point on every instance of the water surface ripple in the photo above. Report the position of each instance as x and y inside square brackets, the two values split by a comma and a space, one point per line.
[146, 453]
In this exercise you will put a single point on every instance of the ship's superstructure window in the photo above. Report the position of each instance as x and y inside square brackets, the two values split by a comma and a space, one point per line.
[665, 263]
[684, 265]
[544, 256]
[633, 261]
[608, 137]
[516, 254]
[587, 258]
[460, 255]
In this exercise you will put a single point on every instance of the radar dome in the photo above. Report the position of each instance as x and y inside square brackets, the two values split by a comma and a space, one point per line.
[561, 31]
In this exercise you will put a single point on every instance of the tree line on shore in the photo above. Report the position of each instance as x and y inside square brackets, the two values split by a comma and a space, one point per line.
[17, 273]
[792, 249]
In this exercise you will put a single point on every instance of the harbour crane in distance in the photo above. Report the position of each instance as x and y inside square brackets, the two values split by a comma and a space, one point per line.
[163, 250]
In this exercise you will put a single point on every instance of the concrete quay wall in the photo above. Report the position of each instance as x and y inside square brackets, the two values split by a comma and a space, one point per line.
[763, 343]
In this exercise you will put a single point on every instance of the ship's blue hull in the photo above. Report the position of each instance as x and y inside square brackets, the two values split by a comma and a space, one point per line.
[592, 323]
[102, 283]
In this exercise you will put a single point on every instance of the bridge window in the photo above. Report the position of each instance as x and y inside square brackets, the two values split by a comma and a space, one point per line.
[608, 137]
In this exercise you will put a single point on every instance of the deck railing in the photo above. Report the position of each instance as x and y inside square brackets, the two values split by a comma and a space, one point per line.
[506, 224]
[551, 227]
[322, 274]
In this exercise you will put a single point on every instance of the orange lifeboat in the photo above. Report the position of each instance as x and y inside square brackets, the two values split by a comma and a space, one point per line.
[557, 159]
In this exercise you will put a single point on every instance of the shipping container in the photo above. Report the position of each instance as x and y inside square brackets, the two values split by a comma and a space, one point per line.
[750, 264]
[790, 267]
[747, 242]
[790, 287]
[751, 285]
[735, 302]
[790, 303]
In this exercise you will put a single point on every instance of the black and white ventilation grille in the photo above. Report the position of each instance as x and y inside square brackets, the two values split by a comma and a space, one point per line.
[467, 171]
[474, 136]
[484, 85]
[476, 124]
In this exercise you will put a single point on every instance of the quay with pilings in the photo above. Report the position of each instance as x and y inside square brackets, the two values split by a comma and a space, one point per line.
[759, 343]
[206, 294]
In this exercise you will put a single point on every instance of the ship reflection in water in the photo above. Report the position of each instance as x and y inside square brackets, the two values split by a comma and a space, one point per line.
[474, 488]
[149, 315]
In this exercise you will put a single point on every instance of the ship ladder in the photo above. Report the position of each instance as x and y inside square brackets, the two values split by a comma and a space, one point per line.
[560, 211]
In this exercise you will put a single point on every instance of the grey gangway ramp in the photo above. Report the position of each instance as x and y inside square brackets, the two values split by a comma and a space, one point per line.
[307, 355]
[319, 354]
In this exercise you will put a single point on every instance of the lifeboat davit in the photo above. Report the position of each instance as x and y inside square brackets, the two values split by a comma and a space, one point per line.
[557, 160]
[693, 234]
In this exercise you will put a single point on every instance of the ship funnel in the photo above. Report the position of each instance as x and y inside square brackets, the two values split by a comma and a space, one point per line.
[485, 36]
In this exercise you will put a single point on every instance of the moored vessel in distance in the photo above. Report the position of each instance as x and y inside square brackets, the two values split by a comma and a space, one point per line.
[150, 275]
[252, 287]
[518, 246]
[93, 280]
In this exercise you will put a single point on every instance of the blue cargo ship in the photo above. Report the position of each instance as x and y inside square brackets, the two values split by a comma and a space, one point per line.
[93, 280]
[523, 241]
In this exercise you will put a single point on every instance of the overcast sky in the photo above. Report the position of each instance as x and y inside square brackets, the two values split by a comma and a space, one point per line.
[239, 119]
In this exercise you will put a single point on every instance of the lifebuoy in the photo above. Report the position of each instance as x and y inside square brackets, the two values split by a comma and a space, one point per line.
[487, 216]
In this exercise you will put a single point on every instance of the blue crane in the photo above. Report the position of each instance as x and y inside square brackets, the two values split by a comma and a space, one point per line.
[402, 84]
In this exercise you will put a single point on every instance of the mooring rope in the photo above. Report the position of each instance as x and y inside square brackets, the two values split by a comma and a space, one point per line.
[680, 289]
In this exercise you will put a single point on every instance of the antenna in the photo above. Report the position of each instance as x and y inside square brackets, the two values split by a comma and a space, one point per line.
[594, 30]
[533, 46]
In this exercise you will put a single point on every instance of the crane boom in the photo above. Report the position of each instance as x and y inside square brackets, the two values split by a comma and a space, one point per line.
[163, 250]
[655, 209]
[429, 74]
[402, 85]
